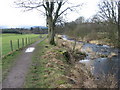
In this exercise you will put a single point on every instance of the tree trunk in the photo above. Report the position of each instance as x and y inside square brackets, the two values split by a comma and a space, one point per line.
[51, 31]
[119, 16]
[52, 35]
[119, 24]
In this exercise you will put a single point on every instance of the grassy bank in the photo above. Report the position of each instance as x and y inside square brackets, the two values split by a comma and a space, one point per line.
[49, 68]
[100, 38]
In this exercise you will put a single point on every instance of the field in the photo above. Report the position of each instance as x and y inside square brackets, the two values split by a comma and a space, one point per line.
[6, 47]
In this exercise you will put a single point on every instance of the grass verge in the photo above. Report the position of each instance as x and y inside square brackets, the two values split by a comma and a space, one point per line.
[49, 68]
[8, 62]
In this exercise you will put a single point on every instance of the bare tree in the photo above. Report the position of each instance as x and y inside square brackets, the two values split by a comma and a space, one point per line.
[108, 10]
[52, 9]
[79, 20]
[109, 14]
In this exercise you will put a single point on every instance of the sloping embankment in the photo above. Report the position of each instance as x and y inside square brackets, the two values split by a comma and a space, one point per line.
[58, 67]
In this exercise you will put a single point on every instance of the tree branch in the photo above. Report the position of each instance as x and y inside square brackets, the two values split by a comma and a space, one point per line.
[70, 8]
[57, 11]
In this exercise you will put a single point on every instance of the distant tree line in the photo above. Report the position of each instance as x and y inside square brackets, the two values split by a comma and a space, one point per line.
[34, 30]
[38, 30]
[11, 31]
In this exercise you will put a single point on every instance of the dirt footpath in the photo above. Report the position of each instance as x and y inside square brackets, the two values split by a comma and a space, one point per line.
[17, 74]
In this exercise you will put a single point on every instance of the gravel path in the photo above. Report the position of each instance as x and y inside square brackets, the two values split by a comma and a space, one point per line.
[17, 74]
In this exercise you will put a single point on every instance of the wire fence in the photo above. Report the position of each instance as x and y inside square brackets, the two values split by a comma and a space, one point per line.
[23, 42]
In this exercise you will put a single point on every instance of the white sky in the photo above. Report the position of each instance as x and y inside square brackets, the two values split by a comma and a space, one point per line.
[13, 17]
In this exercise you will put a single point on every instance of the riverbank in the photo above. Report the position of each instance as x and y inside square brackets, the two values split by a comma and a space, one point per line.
[52, 68]
[98, 58]
[49, 68]
[57, 67]
[98, 41]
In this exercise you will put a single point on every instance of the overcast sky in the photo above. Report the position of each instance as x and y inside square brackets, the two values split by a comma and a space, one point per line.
[14, 17]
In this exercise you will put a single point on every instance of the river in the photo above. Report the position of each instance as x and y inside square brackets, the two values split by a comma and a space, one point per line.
[108, 63]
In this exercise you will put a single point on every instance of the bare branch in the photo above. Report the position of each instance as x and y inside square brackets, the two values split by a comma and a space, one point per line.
[108, 10]
[57, 11]
[69, 8]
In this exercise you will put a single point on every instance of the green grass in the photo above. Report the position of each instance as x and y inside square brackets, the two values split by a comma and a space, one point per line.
[8, 62]
[41, 76]
[14, 37]
[0, 70]
[33, 79]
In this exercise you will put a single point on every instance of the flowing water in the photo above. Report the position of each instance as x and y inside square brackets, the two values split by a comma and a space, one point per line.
[108, 63]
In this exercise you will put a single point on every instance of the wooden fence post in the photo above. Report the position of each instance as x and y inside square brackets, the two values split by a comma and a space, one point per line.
[36, 38]
[26, 41]
[11, 45]
[31, 40]
[18, 44]
[22, 42]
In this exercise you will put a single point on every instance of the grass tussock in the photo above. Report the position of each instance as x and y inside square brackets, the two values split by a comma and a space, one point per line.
[84, 79]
